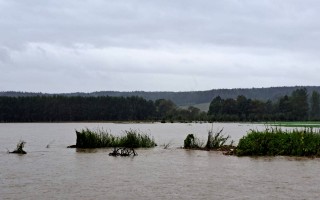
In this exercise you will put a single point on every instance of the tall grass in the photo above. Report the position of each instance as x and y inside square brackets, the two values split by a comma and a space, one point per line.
[217, 141]
[214, 142]
[87, 138]
[275, 141]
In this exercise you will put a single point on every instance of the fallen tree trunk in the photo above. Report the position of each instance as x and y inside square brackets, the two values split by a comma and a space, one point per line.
[18, 152]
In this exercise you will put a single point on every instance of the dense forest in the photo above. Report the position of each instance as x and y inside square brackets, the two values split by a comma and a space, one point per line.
[63, 108]
[186, 98]
[296, 107]
[299, 105]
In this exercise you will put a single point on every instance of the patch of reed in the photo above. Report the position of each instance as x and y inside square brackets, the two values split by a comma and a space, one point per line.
[87, 138]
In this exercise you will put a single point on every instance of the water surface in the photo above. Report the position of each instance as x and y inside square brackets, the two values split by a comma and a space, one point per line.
[61, 173]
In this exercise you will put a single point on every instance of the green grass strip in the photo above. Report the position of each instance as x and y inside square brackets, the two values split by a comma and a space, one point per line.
[303, 124]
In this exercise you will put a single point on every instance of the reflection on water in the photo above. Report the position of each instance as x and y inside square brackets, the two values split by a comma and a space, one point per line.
[61, 173]
[86, 150]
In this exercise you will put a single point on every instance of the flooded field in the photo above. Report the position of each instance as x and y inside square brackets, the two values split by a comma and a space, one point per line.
[60, 173]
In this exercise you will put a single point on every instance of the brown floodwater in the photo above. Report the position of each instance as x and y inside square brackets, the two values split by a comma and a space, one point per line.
[61, 173]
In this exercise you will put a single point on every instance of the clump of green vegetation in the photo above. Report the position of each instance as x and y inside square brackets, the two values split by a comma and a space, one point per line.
[94, 139]
[192, 142]
[275, 141]
[217, 141]
[19, 148]
[214, 142]
[87, 138]
[135, 139]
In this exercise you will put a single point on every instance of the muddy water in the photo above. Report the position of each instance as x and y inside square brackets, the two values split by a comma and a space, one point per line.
[60, 173]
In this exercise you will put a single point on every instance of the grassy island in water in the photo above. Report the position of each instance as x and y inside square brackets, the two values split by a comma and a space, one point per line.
[98, 139]
[275, 141]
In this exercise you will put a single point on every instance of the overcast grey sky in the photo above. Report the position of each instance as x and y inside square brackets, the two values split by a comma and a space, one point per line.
[163, 45]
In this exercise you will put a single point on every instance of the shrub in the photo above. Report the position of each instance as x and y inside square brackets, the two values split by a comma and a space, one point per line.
[216, 141]
[19, 148]
[135, 139]
[271, 142]
[96, 139]
[192, 142]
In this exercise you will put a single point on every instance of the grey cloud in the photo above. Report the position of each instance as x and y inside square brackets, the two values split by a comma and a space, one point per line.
[206, 44]
[4, 55]
[103, 23]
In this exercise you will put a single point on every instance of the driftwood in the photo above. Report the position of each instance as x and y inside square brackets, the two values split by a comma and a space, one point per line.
[123, 152]
[117, 151]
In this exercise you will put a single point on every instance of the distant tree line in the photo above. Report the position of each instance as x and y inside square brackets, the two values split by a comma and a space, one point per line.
[185, 98]
[56, 108]
[77, 108]
[296, 107]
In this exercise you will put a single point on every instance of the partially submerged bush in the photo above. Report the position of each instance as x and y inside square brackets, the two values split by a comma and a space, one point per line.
[123, 152]
[19, 148]
[192, 142]
[167, 145]
[96, 139]
[135, 139]
[217, 141]
[189, 141]
[272, 142]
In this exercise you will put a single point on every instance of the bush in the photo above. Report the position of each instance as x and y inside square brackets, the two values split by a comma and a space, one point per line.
[135, 139]
[19, 148]
[192, 142]
[216, 141]
[272, 142]
[97, 139]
